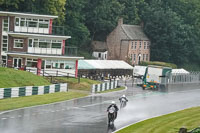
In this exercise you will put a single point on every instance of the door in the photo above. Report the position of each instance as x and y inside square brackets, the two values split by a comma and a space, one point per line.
[17, 62]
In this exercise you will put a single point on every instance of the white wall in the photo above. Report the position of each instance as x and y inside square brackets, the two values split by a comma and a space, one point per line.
[103, 55]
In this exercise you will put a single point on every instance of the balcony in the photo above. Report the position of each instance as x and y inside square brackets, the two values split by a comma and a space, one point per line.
[48, 51]
[53, 30]
[69, 51]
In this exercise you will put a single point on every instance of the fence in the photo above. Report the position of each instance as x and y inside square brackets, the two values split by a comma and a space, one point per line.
[52, 72]
[192, 77]
[32, 90]
[104, 86]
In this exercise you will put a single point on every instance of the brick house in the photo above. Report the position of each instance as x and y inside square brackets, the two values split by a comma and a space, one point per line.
[27, 40]
[128, 43]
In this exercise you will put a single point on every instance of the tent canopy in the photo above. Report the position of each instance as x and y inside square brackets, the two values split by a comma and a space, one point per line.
[179, 71]
[103, 64]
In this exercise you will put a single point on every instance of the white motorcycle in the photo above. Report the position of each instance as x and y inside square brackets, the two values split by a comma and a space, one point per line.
[123, 103]
[111, 115]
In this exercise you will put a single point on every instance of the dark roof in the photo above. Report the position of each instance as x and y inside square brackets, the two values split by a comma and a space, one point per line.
[99, 46]
[134, 32]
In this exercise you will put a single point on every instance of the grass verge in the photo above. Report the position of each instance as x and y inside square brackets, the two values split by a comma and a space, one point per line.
[170, 123]
[117, 89]
[84, 85]
[20, 102]
[17, 78]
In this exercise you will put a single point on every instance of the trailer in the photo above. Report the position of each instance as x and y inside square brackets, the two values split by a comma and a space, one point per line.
[156, 76]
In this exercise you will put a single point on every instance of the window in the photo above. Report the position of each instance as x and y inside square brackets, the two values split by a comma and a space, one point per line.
[30, 42]
[148, 44]
[36, 43]
[135, 45]
[134, 57]
[41, 25]
[56, 45]
[23, 22]
[144, 45]
[4, 59]
[99, 55]
[16, 21]
[35, 23]
[140, 44]
[18, 43]
[60, 64]
[5, 43]
[43, 43]
[47, 21]
[48, 64]
[5, 24]
[147, 57]
[143, 57]
[132, 46]
[31, 62]
[32, 24]
[131, 56]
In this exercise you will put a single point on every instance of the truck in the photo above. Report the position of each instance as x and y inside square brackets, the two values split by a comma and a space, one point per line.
[156, 76]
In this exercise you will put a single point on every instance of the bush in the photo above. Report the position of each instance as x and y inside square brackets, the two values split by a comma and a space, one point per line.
[191, 67]
[196, 130]
[157, 63]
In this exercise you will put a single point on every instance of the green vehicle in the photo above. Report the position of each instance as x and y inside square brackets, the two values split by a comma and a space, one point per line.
[156, 76]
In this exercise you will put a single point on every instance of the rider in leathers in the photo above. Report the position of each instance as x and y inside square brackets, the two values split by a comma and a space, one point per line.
[123, 97]
[115, 106]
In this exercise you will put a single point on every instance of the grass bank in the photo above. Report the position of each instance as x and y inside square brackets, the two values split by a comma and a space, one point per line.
[15, 78]
[117, 89]
[171, 123]
[20, 102]
[84, 85]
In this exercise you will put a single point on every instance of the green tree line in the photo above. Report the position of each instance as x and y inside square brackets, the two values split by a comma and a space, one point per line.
[173, 26]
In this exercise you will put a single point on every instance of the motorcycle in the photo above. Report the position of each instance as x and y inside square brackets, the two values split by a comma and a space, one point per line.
[111, 116]
[123, 103]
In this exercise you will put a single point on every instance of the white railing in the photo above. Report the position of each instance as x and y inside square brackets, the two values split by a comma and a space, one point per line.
[192, 77]
[32, 30]
[54, 51]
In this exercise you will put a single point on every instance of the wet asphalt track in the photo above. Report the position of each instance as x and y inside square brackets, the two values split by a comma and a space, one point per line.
[88, 115]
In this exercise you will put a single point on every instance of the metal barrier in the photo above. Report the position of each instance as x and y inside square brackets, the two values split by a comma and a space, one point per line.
[52, 74]
[32, 90]
[192, 77]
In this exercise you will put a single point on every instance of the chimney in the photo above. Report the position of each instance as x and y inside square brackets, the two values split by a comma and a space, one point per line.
[120, 21]
[142, 24]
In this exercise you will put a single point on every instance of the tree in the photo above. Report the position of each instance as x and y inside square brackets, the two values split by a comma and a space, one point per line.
[169, 36]
[49, 7]
[74, 22]
[190, 12]
[10, 5]
[102, 17]
[131, 11]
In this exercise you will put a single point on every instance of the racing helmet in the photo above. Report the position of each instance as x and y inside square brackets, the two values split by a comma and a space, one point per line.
[123, 96]
[113, 102]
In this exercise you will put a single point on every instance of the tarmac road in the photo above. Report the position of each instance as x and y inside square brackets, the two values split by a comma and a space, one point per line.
[88, 115]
